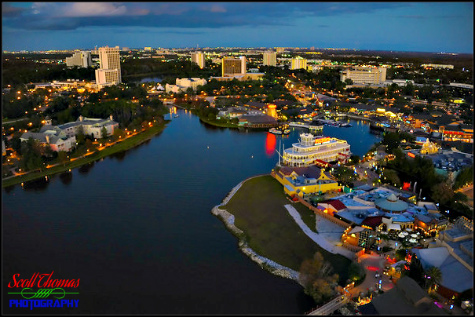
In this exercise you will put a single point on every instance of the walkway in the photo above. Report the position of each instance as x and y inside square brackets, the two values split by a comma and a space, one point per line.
[331, 306]
[318, 238]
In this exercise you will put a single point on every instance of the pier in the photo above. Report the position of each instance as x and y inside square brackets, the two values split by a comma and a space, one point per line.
[306, 125]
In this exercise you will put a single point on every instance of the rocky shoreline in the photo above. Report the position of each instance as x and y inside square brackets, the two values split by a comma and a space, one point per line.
[264, 263]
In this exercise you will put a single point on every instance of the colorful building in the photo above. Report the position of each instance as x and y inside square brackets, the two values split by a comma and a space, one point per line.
[311, 148]
[303, 181]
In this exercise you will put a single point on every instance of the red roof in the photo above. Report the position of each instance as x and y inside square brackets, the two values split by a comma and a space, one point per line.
[372, 222]
[338, 205]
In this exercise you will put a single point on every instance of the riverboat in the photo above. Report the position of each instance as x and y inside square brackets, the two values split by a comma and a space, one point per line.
[311, 148]
[275, 131]
[345, 125]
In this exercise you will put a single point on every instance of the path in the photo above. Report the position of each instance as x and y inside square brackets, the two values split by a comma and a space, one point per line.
[317, 238]
[331, 306]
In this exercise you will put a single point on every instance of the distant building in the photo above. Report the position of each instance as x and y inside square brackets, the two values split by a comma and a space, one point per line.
[198, 58]
[439, 66]
[182, 84]
[147, 49]
[109, 70]
[269, 58]
[298, 63]
[233, 66]
[280, 49]
[364, 75]
[81, 59]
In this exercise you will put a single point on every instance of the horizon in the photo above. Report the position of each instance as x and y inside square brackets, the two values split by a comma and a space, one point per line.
[382, 26]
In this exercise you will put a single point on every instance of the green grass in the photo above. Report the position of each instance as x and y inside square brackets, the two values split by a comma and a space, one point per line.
[220, 124]
[307, 215]
[258, 207]
[119, 147]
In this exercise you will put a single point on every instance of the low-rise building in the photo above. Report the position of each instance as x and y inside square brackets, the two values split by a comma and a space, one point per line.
[182, 84]
[63, 137]
[303, 181]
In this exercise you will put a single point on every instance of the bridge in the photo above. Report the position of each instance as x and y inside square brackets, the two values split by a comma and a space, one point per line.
[331, 306]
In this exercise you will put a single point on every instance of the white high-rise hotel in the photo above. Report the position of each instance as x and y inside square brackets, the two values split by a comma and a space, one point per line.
[269, 58]
[81, 59]
[198, 58]
[109, 70]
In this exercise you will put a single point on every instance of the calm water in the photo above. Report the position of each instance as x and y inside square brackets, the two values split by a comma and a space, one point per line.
[136, 229]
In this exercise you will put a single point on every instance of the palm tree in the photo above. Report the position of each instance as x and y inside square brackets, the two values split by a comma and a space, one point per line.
[433, 276]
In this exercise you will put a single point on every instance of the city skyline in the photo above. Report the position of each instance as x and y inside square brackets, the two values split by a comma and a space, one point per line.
[397, 26]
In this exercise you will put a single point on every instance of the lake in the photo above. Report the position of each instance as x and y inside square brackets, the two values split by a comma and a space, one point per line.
[137, 230]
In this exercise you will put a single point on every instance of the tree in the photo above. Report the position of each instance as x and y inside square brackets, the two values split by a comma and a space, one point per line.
[104, 132]
[433, 276]
[442, 193]
[62, 157]
[356, 272]
[80, 136]
[390, 176]
[315, 275]
[354, 158]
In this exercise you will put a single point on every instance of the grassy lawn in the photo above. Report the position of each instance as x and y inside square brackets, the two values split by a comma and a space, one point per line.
[220, 124]
[308, 216]
[119, 147]
[259, 211]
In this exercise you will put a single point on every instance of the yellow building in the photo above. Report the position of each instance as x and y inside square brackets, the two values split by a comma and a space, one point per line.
[305, 180]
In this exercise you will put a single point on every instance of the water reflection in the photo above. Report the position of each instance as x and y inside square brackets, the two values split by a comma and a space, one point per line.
[119, 155]
[39, 184]
[84, 169]
[8, 188]
[66, 177]
[270, 144]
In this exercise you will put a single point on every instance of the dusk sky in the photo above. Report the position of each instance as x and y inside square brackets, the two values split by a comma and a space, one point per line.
[398, 26]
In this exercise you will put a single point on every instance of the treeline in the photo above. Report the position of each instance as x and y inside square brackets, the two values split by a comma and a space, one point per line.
[18, 72]
[173, 69]
[266, 90]
[434, 186]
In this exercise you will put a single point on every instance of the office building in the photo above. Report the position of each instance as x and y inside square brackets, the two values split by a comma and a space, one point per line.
[364, 75]
[298, 63]
[198, 58]
[234, 66]
[80, 59]
[279, 49]
[109, 69]
[269, 58]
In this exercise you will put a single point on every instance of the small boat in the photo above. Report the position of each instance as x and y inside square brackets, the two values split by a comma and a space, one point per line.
[286, 131]
[175, 116]
[345, 125]
[275, 131]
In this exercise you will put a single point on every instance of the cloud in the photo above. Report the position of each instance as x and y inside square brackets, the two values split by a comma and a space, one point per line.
[9, 11]
[90, 9]
[73, 15]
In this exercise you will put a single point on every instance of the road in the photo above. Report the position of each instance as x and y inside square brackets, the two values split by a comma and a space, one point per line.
[372, 264]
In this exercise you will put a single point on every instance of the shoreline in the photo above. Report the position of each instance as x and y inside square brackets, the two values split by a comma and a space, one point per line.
[116, 148]
[264, 263]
